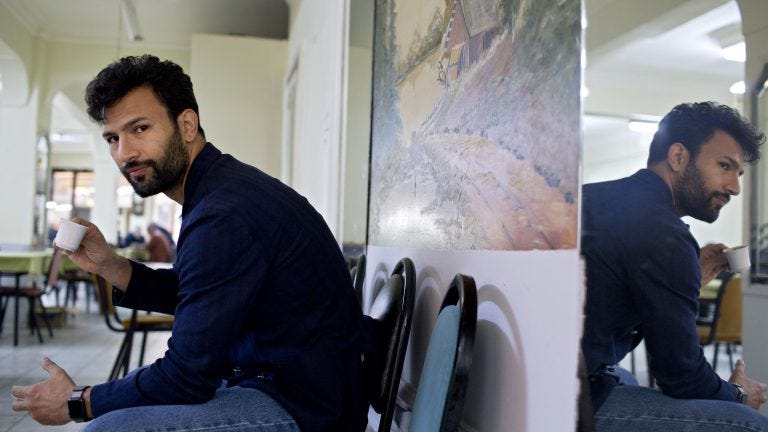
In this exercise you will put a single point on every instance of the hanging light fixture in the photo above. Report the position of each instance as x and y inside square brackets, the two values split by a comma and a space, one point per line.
[131, 20]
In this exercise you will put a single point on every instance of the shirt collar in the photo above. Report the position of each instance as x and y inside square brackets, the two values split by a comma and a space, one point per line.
[656, 183]
[200, 165]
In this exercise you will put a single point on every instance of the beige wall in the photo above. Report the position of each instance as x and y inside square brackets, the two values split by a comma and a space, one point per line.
[239, 85]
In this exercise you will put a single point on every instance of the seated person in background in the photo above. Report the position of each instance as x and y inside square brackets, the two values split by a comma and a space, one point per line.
[134, 236]
[52, 231]
[158, 247]
[267, 332]
[169, 238]
[644, 271]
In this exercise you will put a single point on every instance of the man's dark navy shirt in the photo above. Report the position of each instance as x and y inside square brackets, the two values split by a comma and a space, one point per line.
[643, 280]
[260, 286]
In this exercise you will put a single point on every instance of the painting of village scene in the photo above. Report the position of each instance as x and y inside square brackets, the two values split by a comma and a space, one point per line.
[475, 124]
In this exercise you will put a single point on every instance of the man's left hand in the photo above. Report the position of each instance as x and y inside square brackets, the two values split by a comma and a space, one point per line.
[46, 401]
[712, 261]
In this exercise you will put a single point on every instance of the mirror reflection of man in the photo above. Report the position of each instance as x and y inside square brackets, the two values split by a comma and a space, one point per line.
[644, 271]
[267, 331]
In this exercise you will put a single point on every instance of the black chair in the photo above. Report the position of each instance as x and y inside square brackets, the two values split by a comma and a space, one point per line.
[357, 272]
[445, 374]
[392, 312]
[34, 295]
[136, 323]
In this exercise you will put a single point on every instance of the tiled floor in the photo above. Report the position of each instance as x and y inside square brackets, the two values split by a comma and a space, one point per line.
[84, 347]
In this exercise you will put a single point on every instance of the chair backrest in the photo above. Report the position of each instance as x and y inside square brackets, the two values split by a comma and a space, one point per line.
[585, 421]
[392, 312]
[106, 307]
[707, 322]
[445, 374]
[357, 272]
[729, 321]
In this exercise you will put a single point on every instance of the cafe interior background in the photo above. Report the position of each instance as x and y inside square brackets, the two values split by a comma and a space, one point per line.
[286, 86]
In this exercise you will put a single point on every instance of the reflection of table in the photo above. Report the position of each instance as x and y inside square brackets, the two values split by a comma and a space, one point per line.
[17, 264]
[32, 263]
[133, 253]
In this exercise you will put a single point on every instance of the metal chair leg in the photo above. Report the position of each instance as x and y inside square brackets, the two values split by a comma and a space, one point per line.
[143, 348]
[123, 358]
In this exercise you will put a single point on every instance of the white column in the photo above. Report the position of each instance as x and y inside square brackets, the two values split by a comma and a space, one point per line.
[105, 212]
[18, 149]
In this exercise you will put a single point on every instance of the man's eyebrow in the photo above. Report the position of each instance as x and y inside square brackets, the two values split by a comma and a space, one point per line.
[736, 163]
[126, 125]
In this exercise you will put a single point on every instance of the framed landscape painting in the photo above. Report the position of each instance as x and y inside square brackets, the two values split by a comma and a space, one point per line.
[475, 124]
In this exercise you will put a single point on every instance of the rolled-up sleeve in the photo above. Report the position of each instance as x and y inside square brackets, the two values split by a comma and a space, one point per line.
[666, 293]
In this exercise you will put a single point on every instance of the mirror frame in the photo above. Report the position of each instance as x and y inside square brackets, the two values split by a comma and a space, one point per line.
[758, 274]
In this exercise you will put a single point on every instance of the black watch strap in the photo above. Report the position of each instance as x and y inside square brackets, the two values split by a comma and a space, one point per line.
[76, 405]
[741, 395]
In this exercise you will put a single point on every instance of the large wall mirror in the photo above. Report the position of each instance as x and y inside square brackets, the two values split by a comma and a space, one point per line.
[759, 203]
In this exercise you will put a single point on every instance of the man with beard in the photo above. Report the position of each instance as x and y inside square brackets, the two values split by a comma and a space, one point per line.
[644, 271]
[267, 333]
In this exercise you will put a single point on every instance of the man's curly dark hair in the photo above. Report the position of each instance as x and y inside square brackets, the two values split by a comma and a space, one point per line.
[693, 124]
[167, 79]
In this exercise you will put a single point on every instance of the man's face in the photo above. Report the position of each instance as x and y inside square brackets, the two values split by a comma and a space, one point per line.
[146, 146]
[709, 180]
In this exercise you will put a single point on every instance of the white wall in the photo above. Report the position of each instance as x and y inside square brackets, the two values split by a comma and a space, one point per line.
[18, 153]
[238, 83]
[317, 48]
[523, 375]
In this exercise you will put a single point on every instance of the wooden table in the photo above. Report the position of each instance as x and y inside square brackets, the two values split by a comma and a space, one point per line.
[32, 263]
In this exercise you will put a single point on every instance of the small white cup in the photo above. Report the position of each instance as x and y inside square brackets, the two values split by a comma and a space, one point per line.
[738, 258]
[70, 235]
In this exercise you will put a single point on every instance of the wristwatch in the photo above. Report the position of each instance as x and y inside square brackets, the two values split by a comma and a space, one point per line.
[76, 405]
[741, 395]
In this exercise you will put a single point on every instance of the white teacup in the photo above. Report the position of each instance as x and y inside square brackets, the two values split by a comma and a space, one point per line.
[738, 258]
[70, 235]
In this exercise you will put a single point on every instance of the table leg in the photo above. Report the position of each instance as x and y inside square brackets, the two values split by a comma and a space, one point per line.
[16, 311]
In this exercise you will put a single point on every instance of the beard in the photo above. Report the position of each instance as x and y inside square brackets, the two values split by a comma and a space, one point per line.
[692, 197]
[168, 171]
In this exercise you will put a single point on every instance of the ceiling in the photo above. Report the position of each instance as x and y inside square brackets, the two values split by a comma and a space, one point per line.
[164, 23]
[642, 58]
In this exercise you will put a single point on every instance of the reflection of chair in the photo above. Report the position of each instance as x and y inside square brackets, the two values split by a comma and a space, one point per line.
[585, 420]
[136, 323]
[445, 374]
[357, 271]
[392, 310]
[724, 325]
[33, 294]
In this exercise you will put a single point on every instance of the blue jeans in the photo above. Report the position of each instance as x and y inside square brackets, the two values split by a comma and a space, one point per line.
[633, 408]
[234, 409]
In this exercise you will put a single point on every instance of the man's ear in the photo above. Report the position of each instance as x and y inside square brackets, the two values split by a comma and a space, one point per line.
[677, 157]
[187, 122]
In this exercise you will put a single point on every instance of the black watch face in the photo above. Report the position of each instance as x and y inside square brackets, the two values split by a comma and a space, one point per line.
[76, 409]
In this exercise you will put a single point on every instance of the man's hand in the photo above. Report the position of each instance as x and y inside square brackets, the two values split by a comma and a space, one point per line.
[94, 251]
[46, 401]
[96, 256]
[712, 261]
[755, 390]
